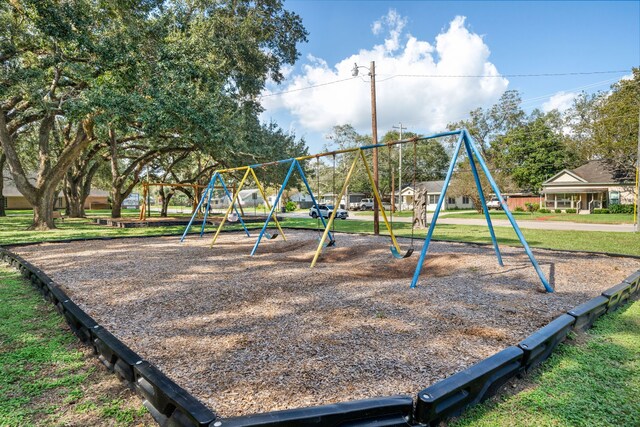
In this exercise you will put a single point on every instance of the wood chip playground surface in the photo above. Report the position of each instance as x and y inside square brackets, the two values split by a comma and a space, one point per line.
[254, 334]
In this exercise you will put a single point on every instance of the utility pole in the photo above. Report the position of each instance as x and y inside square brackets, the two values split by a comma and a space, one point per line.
[374, 137]
[399, 166]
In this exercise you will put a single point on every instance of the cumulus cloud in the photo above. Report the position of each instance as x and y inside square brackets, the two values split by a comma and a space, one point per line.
[403, 92]
[561, 101]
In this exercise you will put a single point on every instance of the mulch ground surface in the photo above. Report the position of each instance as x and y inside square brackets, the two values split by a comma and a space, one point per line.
[253, 334]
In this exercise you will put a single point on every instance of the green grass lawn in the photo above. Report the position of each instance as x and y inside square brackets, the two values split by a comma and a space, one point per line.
[28, 345]
[47, 377]
[537, 216]
[596, 383]
[598, 241]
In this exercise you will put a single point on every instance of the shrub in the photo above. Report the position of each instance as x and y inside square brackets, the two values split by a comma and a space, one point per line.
[519, 209]
[544, 210]
[557, 210]
[290, 206]
[570, 211]
[623, 209]
[601, 211]
[532, 207]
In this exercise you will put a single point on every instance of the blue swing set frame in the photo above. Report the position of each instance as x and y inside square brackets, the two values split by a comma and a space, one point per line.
[473, 154]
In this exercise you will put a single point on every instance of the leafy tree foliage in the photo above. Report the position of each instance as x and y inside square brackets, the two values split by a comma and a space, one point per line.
[531, 153]
[169, 75]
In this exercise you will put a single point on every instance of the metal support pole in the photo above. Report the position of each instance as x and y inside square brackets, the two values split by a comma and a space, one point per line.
[374, 137]
[233, 202]
[195, 212]
[496, 190]
[266, 200]
[332, 217]
[275, 203]
[434, 218]
[313, 199]
[208, 206]
[483, 201]
[230, 197]
[399, 167]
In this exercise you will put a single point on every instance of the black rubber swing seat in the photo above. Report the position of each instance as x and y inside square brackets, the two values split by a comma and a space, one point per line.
[270, 236]
[398, 255]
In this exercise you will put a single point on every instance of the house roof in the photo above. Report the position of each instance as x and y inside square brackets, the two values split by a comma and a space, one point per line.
[594, 172]
[431, 186]
[10, 190]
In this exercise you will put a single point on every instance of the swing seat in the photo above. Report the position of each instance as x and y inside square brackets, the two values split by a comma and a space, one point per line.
[270, 236]
[398, 255]
[329, 244]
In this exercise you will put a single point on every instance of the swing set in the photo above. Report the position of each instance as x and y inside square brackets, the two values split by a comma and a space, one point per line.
[327, 239]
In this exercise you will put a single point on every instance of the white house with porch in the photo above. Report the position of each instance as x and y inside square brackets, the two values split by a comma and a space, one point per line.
[433, 190]
[588, 187]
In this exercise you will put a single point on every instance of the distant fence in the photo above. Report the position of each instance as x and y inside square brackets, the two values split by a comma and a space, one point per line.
[514, 202]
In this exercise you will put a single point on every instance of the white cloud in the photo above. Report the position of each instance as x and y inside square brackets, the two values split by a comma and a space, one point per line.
[427, 104]
[561, 101]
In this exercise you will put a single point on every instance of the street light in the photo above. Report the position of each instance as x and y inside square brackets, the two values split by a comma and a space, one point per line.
[374, 137]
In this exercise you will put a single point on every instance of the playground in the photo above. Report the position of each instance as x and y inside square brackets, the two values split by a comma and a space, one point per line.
[253, 334]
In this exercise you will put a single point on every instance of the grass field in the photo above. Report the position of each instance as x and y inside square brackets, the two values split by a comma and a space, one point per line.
[592, 381]
[46, 378]
[537, 216]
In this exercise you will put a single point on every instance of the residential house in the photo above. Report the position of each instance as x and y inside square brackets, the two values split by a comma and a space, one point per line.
[433, 190]
[590, 186]
[13, 199]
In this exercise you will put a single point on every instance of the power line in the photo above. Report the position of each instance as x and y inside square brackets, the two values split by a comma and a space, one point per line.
[577, 73]
[308, 87]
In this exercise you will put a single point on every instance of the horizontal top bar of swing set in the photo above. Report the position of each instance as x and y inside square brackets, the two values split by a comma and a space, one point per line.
[346, 150]
[169, 184]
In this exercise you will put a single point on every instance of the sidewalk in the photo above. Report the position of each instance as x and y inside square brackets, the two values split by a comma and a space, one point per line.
[540, 225]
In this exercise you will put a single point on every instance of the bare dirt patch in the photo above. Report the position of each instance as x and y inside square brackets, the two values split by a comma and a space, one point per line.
[252, 334]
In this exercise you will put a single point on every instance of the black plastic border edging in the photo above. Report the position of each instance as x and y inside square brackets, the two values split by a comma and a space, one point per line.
[168, 403]
[451, 396]
[171, 405]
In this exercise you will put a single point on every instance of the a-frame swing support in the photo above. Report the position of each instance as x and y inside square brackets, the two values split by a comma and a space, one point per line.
[471, 148]
[463, 138]
[207, 194]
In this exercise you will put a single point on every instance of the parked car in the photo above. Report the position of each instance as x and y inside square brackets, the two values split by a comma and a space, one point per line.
[494, 203]
[326, 211]
[366, 204]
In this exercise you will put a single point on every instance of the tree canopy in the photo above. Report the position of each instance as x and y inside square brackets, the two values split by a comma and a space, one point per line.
[130, 81]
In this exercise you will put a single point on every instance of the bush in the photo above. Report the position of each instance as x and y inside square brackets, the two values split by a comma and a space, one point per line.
[623, 209]
[532, 207]
[557, 210]
[519, 209]
[601, 211]
[543, 210]
[570, 211]
[290, 206]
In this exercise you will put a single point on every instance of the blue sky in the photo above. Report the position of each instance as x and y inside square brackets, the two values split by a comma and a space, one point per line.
[410, 40]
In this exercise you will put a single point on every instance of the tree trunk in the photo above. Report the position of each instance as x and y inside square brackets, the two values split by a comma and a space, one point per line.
[75, 201]
[43, 210]
[116, 203]
[165, 203]
[2, 161]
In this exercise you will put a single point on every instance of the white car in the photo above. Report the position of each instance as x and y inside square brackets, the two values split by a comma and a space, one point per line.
[326, 211]
[494, 203]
